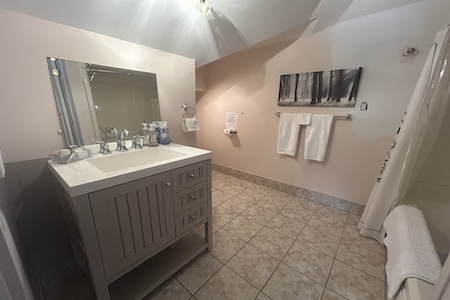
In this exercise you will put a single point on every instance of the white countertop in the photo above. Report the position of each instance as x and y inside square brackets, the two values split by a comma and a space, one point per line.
[82, 177]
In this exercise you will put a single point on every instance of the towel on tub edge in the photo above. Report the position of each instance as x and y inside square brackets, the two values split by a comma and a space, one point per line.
[410, 249]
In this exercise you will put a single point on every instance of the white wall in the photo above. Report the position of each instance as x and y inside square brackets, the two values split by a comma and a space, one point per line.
[247, 83]
[28, 115]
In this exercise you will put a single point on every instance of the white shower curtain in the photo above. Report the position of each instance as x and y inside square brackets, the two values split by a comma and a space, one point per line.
[399, 168]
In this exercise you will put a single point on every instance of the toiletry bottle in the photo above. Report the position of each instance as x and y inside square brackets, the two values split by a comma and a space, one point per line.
[145, 134]
[153, 141]
[164, 133]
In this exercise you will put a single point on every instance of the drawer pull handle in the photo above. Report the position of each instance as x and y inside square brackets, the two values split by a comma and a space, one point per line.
[192, 175]
[168, 184]
[193, 218]
[191, 197]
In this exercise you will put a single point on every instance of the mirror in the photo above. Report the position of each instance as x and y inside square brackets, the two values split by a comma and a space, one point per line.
[93, 99]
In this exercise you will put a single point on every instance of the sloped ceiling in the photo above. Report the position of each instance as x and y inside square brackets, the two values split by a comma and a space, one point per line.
[177, 26]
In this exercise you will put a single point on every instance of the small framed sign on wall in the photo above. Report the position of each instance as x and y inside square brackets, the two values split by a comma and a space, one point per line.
[324, 88]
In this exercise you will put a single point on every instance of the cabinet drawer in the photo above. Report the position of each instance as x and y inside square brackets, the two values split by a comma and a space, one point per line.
[190, 197]
[191, 218]
[185, 177]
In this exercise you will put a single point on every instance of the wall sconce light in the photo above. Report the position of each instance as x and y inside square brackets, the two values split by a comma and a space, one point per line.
[410, 52]
[204, 6]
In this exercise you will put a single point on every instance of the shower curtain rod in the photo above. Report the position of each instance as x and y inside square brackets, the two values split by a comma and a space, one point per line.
[337, 116]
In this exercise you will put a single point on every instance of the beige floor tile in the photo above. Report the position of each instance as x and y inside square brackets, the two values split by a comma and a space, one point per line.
[198, 271]
[171, 289]
[297, 212]
[309, 261]
[243, 228]
[225, 245]
[226, 285]
[253, 265]
[330, 295]
[248, 197]
[232, 189]
[272, 203]
[259, 214]
[219, 196]
[308, 204]
[255, 192]
[241, 182]
[287, 284]
[354, 284]
[319, 240]
[279, 196]
[352, 234]
[221, 215]
[237, 204]
[362, 258]
[329, 219]
[262, 296]
[218, 183]
[272, 242]
[286, 226]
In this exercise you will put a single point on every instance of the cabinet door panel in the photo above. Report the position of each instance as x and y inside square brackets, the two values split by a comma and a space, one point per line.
[132, 220]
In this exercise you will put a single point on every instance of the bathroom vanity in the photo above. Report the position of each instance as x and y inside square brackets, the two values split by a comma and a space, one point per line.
[132, 217]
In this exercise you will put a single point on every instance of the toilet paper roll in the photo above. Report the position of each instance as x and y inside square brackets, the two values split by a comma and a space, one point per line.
[229, 132]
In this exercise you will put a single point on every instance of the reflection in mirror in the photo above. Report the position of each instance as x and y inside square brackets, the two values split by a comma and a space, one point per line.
[93, 99]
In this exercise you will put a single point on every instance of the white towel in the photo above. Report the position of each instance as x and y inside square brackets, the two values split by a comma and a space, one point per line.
[288, 131]
[410, 249]
[190, 124]
[317, 135]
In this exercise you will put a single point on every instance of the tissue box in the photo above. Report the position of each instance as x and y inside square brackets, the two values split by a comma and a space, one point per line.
[63, 158]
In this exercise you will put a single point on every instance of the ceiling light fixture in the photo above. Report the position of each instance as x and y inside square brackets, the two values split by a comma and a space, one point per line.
[204, 6]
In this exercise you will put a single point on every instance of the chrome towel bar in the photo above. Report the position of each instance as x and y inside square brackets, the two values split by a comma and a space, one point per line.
[337, 116]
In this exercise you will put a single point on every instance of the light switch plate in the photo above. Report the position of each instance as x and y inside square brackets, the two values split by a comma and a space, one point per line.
[363, 106]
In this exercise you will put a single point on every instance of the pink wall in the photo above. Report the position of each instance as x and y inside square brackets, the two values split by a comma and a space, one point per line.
[247, 83]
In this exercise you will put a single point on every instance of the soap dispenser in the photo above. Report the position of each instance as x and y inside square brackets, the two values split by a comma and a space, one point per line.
[146, 134]
[153, 140]
[164, 133]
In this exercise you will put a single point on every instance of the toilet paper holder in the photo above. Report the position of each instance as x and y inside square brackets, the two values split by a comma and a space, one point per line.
[229, 132]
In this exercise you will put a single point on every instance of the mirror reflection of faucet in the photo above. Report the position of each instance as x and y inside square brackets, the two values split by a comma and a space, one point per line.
[123, 133]
[121, 147]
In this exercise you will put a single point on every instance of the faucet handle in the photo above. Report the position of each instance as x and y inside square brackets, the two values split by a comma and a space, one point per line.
[114, 130]
[124, 132]
[104, 147]
[136, 143]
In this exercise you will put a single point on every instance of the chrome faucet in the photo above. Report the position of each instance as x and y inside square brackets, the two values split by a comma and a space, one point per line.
[114, 130]
[121, 143]
[104, 148]
[136, 143]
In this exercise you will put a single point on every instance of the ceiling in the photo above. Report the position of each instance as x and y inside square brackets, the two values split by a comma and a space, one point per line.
[177, 26]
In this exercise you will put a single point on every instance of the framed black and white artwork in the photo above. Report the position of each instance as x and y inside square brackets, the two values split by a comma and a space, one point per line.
[323, 88]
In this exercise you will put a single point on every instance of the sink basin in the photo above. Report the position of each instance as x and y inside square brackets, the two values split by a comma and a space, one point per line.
[134, 159]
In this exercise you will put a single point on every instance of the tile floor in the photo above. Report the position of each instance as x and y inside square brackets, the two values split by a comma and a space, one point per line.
[272, 245]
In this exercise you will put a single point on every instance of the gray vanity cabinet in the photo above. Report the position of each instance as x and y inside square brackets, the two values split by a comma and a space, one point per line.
[132, 220]
[131, 237]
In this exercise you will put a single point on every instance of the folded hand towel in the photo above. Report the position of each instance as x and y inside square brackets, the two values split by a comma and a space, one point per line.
[317, 135]
[288, 131]
[190, 124]
[410, 249]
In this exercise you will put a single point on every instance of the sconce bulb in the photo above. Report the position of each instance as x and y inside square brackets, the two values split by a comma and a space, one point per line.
[204, 6]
